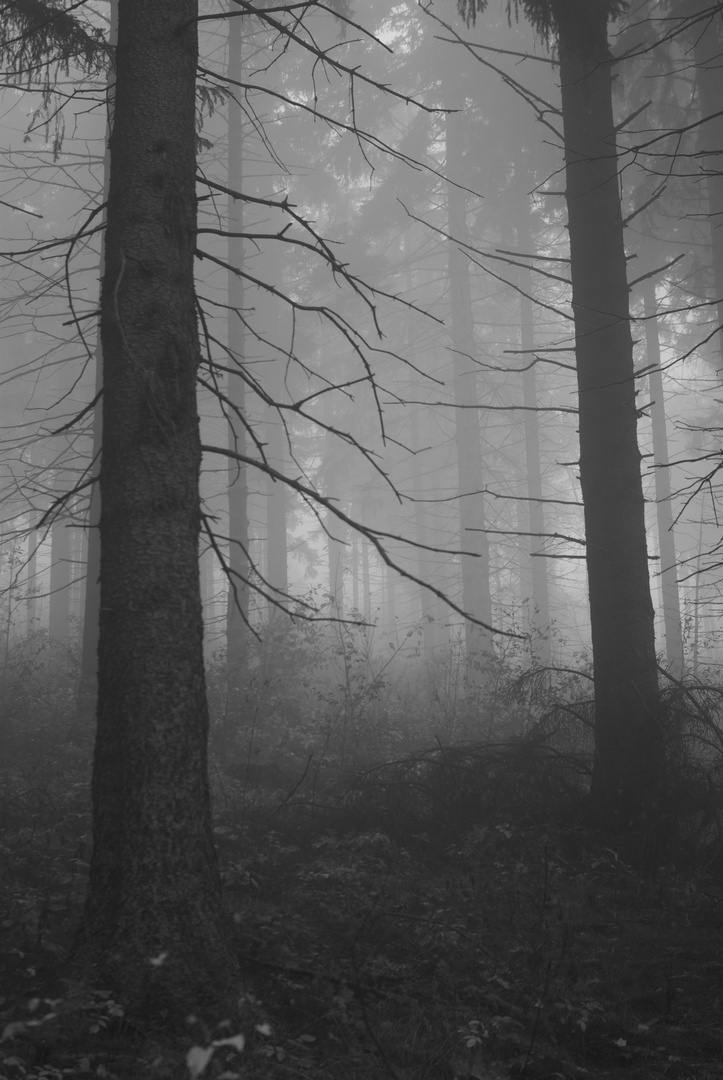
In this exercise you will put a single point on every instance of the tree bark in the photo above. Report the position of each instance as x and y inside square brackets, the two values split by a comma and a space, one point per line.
[154, 926]
[628, 744]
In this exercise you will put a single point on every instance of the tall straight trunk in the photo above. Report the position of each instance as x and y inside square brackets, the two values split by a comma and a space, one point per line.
[389, 602]
[430, 605]
[88, 681]
[335, 551]
[475, 560]
[272, 324]
[268, 336]
[663, 493]
[628, 743]
[59, 598]
[354, 567]
[540, 642]
[31, 593]
[237, 608]
[277, 553]
[208, 598]
[366, 584]
[154, 930]
[707, 36]
[431, 608]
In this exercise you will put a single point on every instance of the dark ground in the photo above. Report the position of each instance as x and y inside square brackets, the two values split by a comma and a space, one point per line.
[421, 924]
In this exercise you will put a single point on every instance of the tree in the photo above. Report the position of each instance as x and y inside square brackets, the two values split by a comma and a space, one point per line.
[473, 541]
[154, 923]
[629, 757]
[239, 565]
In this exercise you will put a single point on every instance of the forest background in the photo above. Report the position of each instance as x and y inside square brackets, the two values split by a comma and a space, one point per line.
[393, 547]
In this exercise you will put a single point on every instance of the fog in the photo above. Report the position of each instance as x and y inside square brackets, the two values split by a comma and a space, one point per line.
[401, 330]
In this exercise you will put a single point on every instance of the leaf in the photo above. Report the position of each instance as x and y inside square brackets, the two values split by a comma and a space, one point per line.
[237, 1041]
[197, 1059]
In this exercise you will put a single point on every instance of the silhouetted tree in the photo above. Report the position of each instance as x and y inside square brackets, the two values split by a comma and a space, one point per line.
[629, 757]
[154, 924]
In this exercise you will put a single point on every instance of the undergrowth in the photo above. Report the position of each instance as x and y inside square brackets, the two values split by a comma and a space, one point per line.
[438, 911]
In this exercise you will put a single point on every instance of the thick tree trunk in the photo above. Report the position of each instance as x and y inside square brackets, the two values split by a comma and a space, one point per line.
[476, 597]
[154, 927]
[628, 742]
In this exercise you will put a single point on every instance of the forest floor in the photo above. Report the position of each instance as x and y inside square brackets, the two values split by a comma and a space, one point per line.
[373, 948]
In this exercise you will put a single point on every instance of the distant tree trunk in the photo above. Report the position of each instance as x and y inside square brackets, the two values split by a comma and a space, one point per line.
[476, 597]
[354, 566]
[31, 571]
[336, 550]
[237, 609]
[88, 681]
[366, 587]
[663, 494]
[389, 602]
[276, 493]
[707, 37]
[208, 598]
[154, 931]
[629, 756]
[59, 599]
[431, 614]
[540, 641]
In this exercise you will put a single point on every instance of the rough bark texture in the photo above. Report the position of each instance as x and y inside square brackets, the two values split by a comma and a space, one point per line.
[628, 753]
[154, 926]
[476, 598]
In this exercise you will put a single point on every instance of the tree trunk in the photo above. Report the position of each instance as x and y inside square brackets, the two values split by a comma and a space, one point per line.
[336, 554]
[88, 681]
[59, 599]
[389, 603]
[154, 930]
[663, 494]
[430, 604]
[31, 571]
[540, 641]
[476, 597]
[628, 743]
[366, 583]
[707, 37]
[272, 324]
[239, 565]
